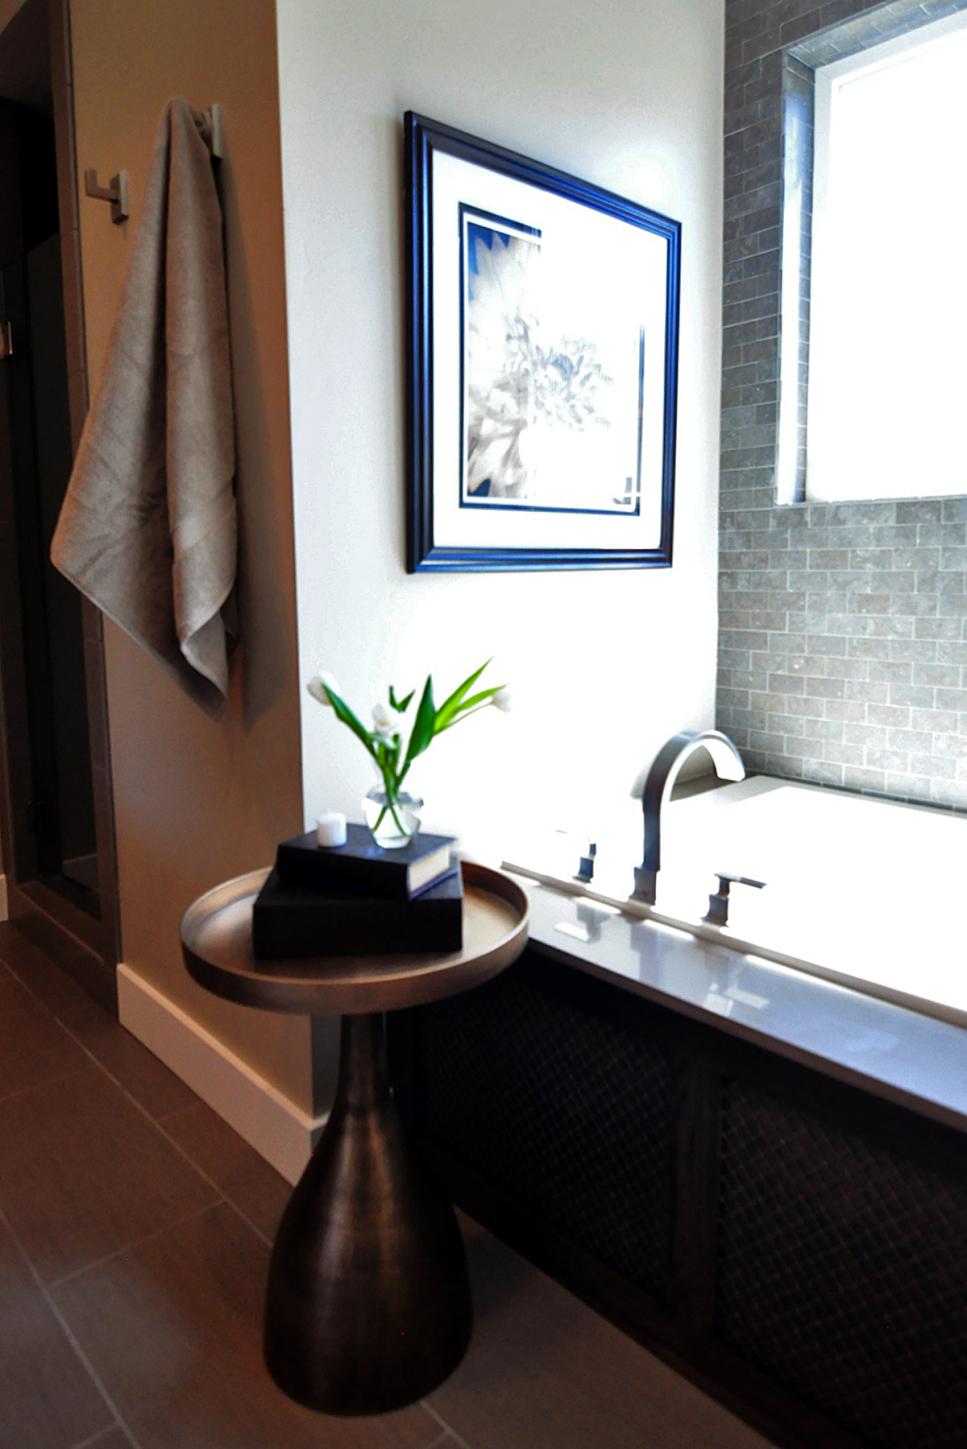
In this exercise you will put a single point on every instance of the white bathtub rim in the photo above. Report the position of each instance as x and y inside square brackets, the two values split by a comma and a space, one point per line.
[899, 946]
[725, 936]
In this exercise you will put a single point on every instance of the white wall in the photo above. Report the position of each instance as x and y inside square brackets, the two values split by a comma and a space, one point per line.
[605, 665]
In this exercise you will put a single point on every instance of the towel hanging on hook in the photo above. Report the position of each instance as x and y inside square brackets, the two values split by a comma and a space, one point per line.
[147, 530]
[116, 191]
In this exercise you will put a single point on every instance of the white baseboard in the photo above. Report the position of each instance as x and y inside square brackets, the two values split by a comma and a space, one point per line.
[4, 909]
[259, 1112]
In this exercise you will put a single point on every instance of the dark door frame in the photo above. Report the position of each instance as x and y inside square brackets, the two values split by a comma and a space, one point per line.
[89, 949]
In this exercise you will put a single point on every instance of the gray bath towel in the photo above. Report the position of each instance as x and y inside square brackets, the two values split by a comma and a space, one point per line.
[148, 530]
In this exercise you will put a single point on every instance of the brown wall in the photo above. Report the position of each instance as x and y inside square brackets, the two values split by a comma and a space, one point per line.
[198, 801]
[8, 9]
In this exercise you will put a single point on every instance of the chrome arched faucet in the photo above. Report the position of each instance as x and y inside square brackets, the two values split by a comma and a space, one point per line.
[658, 788]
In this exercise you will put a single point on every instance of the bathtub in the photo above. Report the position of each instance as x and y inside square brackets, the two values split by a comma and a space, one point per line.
[861, 891]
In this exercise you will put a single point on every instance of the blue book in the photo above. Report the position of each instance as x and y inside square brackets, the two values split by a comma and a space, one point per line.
[363, 868]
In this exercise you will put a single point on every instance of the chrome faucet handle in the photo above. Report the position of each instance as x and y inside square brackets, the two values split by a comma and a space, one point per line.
[585, 870]
[718, 904]
[646, 882]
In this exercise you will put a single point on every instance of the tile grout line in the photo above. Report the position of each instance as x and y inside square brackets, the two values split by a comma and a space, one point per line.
[262, 1237]
[183, 1152]
[435, 1443]
[229, 1202]
[97, 1438]
[434, 1414]
[45, 1082]
[15, 974]
[179, 1222]
[52, 1012]
[72, 1339]
[447, 1431]
[178, 1111]
[154, 1121]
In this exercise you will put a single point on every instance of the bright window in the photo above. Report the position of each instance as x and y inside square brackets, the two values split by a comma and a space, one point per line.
[887, 409]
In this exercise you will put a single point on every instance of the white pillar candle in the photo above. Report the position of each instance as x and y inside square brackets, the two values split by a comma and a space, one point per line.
[331, 828]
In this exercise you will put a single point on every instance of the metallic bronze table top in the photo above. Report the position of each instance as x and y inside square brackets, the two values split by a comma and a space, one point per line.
[216, 933]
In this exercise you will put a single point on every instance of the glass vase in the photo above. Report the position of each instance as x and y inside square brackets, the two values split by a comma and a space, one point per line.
[393, 820]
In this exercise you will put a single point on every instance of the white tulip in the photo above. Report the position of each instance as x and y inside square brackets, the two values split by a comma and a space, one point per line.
[383, 722]
[318, 685]
[503, 699]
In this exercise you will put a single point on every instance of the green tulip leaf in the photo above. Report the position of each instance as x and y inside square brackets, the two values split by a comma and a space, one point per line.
[400, 705]
[454, 705]
[476, 700]
[344, 713]
[423, 731]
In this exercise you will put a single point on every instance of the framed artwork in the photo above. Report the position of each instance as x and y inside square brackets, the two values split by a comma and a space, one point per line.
[542, 320]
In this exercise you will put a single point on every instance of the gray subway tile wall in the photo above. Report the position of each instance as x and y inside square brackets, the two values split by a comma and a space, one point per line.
[843, 626]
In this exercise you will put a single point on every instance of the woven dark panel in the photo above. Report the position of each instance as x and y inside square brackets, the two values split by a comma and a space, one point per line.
[843, 1271]
[562, 1105]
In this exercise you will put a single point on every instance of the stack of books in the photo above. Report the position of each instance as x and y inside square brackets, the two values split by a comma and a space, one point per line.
[357, 899]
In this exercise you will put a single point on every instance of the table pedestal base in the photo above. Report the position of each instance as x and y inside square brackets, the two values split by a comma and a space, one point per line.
[368, 1303]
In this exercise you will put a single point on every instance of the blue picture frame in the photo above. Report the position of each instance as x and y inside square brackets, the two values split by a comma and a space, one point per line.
[464, 477]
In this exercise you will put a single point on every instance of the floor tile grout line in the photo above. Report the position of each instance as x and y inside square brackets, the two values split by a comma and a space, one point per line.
[434, 1443]
[435, 1414]
[229, 1202]
[262, 1237]
[97, 1438]
[75, 942]
[446, 1429]
[178, 1111]
[45, 1082]
[53, 1011]
[113, 1021]
[155, 1121]
[24, 985]
[119, 1420]
[178, 1222]
[159, 1122]
[16, 976]
[221, 1197]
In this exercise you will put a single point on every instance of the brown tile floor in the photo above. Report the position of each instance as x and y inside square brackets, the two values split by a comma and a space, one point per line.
[134, 1235]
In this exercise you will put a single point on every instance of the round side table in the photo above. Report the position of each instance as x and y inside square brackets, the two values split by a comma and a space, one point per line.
[368, 1304]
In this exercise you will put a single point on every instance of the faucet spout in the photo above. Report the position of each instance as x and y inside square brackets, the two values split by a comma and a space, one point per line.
[664, 771]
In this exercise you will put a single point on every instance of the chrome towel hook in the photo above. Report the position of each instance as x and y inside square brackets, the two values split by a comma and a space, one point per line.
[116, 191]
[217, 143]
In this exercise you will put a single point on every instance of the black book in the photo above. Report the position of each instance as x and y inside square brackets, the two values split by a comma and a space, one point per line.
[361, 867]
[295, 920]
